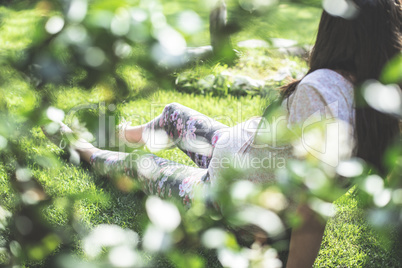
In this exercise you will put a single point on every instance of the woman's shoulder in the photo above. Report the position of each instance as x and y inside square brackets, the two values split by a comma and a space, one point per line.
[326, 78]
[327, 85]
[323, 90]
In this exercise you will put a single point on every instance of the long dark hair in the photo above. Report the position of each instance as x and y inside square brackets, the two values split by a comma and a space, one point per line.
[359, 48]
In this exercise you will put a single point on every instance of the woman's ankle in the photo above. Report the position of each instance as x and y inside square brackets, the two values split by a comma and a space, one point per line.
[84, 148]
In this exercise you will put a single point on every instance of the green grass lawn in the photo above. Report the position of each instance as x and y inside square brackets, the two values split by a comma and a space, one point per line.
[348, 241]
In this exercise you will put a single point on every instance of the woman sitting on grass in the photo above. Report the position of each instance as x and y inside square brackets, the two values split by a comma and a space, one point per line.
[347, 52]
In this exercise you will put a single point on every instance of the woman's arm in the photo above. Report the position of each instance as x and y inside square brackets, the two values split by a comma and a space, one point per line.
[305, 240]
[323, 94]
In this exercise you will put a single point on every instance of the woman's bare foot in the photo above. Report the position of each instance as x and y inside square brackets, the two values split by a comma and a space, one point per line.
[58, 134]
[66, 139]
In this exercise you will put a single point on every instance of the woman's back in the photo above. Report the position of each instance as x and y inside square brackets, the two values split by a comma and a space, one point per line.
[320, 96]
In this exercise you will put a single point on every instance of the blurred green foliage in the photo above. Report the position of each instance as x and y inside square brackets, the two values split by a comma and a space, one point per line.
[66, 53]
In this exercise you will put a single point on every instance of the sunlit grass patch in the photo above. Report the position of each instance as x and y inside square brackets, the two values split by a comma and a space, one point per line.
[349, 241]
[17, 29]
[289, 21]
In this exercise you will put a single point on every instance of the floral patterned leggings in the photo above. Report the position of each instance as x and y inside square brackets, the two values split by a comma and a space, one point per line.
[194, 133]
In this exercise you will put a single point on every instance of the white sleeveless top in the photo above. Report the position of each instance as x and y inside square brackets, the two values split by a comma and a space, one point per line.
[323, 94]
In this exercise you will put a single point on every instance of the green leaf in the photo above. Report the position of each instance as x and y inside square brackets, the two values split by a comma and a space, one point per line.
[392, 72]
[186, 260]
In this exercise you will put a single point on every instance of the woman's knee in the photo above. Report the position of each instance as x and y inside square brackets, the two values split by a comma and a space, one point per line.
[172, 106]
